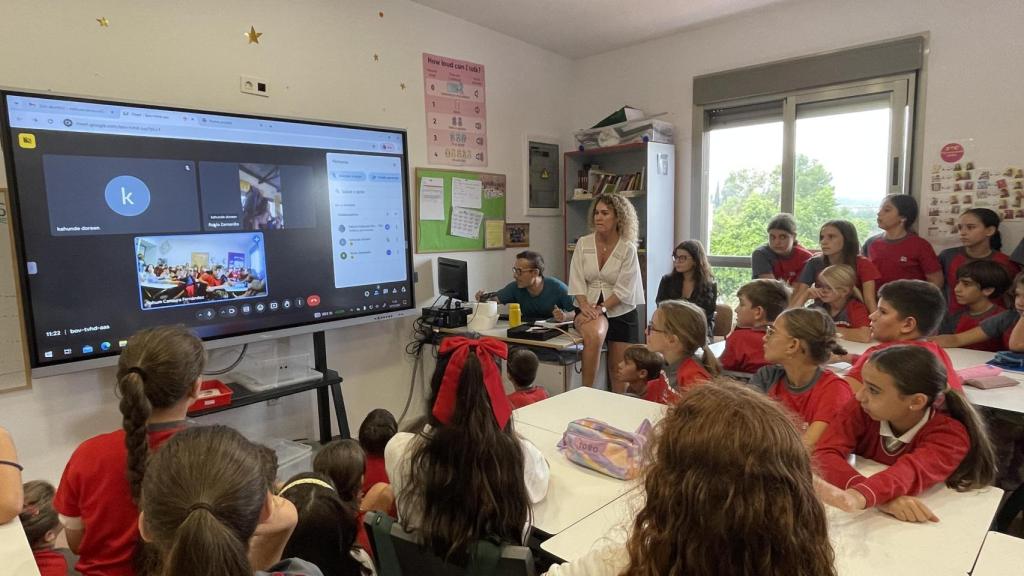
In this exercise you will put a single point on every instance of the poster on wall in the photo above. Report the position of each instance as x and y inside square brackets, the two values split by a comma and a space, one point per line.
[456, 109]
[958, 182]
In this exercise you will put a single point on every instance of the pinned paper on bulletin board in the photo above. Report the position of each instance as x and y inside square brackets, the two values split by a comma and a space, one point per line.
[458, 210]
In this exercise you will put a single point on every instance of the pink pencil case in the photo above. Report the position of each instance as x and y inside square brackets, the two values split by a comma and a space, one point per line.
[602, 447]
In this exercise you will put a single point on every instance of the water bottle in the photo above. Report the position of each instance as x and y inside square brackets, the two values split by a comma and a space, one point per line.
[515, 316]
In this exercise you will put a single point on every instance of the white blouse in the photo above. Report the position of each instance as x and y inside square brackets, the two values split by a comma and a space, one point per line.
[605, 561]
[620, 275]
[536, 473]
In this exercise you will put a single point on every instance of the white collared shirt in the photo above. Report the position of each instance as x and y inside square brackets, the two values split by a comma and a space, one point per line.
[620, 275]
[893, 443]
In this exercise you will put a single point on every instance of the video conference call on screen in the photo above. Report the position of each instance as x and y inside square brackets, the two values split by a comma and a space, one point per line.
[133, 216]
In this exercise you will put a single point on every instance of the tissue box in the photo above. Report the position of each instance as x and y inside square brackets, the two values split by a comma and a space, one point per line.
[643, 130]
[212, 394]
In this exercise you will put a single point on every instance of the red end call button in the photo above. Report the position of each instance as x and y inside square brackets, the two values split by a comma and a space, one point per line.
[313, 300]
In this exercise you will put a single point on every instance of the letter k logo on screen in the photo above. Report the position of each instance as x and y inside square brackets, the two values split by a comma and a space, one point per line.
[127, 195]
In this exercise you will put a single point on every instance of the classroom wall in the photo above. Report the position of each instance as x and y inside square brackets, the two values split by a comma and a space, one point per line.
[973, 85]
[318, 57]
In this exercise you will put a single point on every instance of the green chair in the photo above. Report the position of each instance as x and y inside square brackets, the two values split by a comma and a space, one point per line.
[397, 552]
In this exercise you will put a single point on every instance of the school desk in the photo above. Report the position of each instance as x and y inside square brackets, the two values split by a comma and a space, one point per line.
[867, 543]
[15, 554]
[619, 410]
[1001, 555]
[574, 492]
[1010, 399]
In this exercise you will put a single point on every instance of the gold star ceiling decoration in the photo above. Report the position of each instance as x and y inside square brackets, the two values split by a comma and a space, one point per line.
[104, 23]
[253, 35]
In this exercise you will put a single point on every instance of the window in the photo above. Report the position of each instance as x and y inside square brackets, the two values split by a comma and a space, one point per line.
[818, 151]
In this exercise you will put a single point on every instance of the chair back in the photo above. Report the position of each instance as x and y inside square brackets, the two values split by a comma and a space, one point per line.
[403, 554]
[723, 320]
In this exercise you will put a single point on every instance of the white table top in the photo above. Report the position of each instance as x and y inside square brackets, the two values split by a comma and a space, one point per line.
[608, 525]
[621, 411]
[1001, 555]
[15, 552]
[864, 542]
[574, 492]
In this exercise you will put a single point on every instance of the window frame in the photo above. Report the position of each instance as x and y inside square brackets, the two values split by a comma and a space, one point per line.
[901, 82]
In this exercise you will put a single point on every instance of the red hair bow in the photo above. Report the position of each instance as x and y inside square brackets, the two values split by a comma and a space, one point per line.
[444, 406]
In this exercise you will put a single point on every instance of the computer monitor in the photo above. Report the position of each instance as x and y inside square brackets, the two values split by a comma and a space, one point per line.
[453, 279]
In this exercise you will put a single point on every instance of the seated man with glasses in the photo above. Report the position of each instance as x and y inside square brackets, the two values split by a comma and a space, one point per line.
[537, 295]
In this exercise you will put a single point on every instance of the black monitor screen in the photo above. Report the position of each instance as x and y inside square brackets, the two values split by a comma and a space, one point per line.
[129, 216]
[453, 279]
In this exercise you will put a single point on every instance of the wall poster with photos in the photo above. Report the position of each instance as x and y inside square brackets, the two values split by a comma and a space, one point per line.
[958, 182]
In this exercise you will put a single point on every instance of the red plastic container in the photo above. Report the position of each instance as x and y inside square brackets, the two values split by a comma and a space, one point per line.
[212, 394]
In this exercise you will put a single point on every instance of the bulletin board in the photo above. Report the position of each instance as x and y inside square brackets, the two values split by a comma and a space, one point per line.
[457, 189]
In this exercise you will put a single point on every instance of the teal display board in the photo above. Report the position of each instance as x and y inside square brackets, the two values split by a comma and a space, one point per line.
[438, 235]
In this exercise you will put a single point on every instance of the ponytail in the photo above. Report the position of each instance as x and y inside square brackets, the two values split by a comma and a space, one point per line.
[978, 468]
[201, 501]
[711, 363]
[157, 369]
[815, 330]
[203, 545]
[135, 409]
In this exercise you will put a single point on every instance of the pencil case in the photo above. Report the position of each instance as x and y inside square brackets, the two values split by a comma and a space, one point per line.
[604, 448]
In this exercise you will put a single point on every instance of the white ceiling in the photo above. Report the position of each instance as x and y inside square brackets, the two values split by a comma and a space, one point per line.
[577, 28]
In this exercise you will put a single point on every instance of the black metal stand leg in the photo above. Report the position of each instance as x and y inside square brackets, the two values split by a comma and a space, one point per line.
[340, 412]
[323, 397]
[323, 406]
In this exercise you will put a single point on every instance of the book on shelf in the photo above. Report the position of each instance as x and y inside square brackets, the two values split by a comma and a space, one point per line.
[600, 182]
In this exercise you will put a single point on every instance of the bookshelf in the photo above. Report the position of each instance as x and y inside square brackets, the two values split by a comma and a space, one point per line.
[644, 173]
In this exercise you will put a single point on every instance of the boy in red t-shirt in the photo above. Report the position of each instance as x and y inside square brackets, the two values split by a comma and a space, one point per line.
[909, 311]
[641, 371]
[979, 284]
[1005, 327]
[761, 301]
[522, 370]
[374, 433]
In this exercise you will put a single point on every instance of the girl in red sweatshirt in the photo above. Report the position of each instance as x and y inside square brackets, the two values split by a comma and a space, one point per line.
[906, 417]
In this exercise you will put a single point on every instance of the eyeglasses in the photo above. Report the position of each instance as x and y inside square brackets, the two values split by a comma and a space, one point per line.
[518, 271]
[770, 331]
[678, 257]
[650, 328]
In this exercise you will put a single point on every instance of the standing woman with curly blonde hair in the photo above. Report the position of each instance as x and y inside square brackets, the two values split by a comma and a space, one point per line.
[729, 493]
[604, 277]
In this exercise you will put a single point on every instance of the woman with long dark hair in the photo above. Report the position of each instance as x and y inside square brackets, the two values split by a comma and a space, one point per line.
[691, 279]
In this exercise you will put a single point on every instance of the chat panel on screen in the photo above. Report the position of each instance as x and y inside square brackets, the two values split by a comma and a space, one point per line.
[200, 268]
[90, 195]
[367, 219]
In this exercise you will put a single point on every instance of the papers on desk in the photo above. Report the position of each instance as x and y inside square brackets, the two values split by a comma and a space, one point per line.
[553, 324]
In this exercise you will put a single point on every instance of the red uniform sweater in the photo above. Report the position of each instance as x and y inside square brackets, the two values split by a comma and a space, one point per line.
[528, 396]
[934, 453]
[744, 349]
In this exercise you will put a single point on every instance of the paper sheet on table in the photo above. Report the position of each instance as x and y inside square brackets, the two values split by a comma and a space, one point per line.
[466, 222]
[467, 193]
[431, 199]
